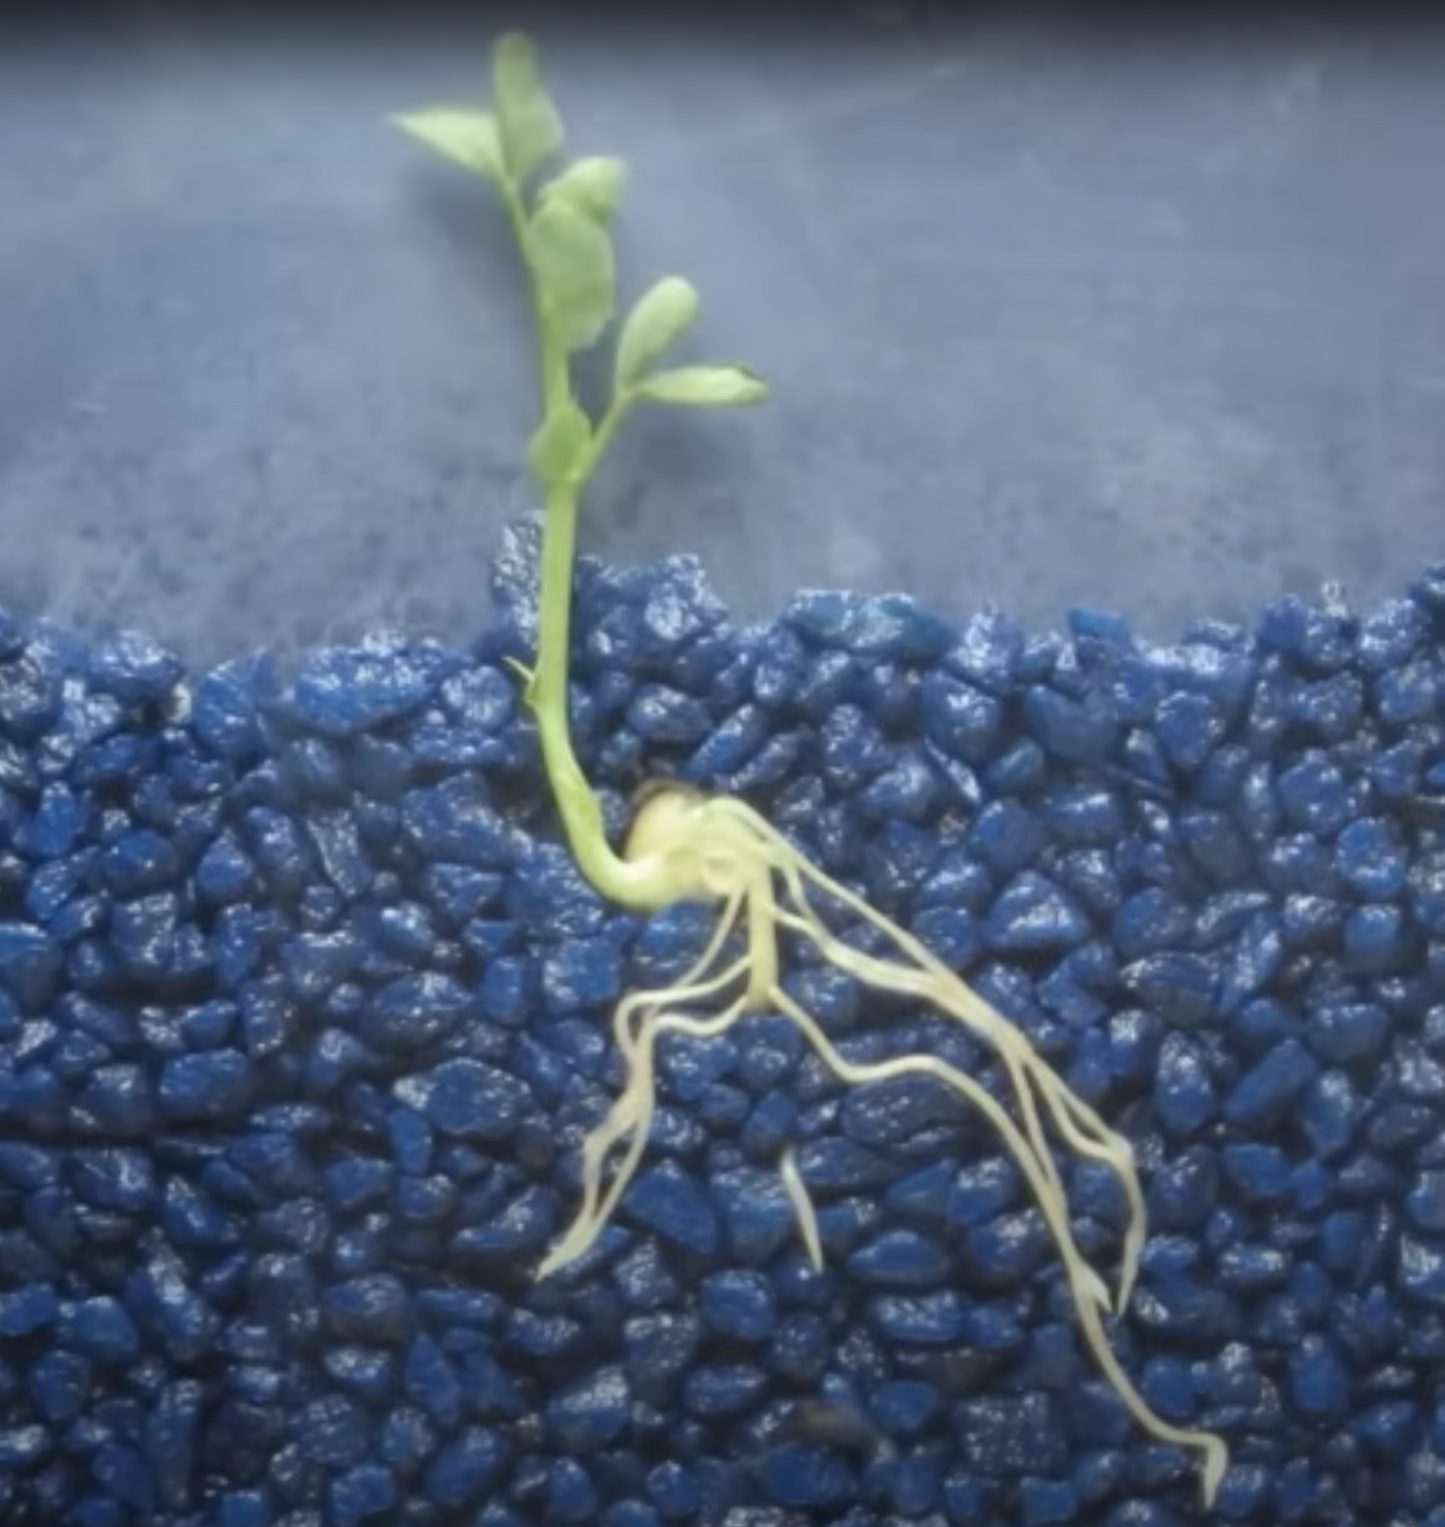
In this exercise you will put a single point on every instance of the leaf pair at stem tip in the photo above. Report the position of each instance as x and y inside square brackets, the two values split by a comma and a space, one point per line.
[566, 243]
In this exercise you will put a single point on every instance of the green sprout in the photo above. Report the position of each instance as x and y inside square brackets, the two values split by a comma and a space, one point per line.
[686, 846]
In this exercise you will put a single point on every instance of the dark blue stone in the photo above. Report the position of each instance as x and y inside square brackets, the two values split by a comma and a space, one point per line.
[960, 719]
[1180, 987]
[524, 1225]
[582, 973]
[886, 626]
[1044, 1502]
[1315, 795]
[134, 668]
[738, 1305]
[416, 1010]
[927, 1320]
[1260, 1172]
[1330, 1113]
[714, 1390]
[1371, 858]
[1149, 921]
[899, 1259]
[169, 1308]
[1012, 1436]
[671, 1204]
[26, 1310]
[1319, 1378]
[1080, 731]
[569, 1493]
[342, 692]
[589, 1414]
[207, 1086]
[853, 750]
[375, 1307]
[362, 1494]
[909, 789]
[1190, 726]
[229, 703]
[1265, 1095]
[224, 873]
[1407, 694]
[1007, 837]
[1032, 914]
[466, 1468]
[1185, 1098]
[731, 745]
[100, 1328]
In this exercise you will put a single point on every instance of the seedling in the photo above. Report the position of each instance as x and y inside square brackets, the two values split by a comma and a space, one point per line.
[685, 846]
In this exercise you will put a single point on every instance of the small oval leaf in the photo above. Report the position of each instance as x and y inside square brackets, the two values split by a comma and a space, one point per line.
[594, 184]
[659, 318]
[469, 138]
[715, 386]
[558, 449]
[530, 126]
[570, 253]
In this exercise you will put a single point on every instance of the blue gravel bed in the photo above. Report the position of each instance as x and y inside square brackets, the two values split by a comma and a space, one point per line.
[304, 1014]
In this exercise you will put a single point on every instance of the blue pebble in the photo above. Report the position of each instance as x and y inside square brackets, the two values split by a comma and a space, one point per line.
[25, 1310]
[418, 1009]
[674, 1491]
[523, 1225]
[344, 691]
[807, 1477]
[718, 1389]
[738, 1305]
[1189, 728]
[899, 1259]
[1149, 922]
[1019, 769]
[891, 627]
[1007, 837]
[588, 1415]
[904, 1407]
[661, 715]
[1265, 1095]
[1425, 1204]
[362, 1494]
[432, 1383]
[1251, 963]
[1181, 987]
[1032, 914]
[1407, 694]
[1319, 1378]
[208, 1086]
[963, 721]
[1079, 731]
[1185, 1098]
[908, 789]
[731, 745]
[657, 1348]
[374, 1307]
[1375, 938]
[1330, 1113]
[100, 1328]
[570, 1494]
[1044, 1502]
[1013, 1436]
[55, 828]
[1260, 1172]
[333, 1431]
[780, 668]
[583, 973]
[113, 1177]
[60, 1384]
[926, 1320]
[669, 1202]
[852, 749]
[465, 1469]
[1371, 858]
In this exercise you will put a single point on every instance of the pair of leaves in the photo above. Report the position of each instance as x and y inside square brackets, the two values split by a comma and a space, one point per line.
[661, 316]
[504, 145]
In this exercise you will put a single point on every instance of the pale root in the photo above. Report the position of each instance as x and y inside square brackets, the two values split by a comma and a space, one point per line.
[720, 850]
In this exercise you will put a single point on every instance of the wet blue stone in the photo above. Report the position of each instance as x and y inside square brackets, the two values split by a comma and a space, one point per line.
[712, 1390]
[1249, 965]
[344, 691]
[899, 1259]
[584, 972]
[416, 1010]
[374, 1307]
[738, 1305]
[853, 749]
[333, 1431]
[134, 668]
[1342, 1032]
[100, 1328]
[730, 745]
[908, 789]
[60, 1384]
[1044, 1502]
[431, 1381]
[466, 1468]
[1319, 1378]
[1375, 938]
[674, 1490]
[1260, 1172]
[1018, 769]
[1032, 914]
[1179, 986]
[1330, 1112]
[24, 1311]
[1081, 731]
[1150, 921]
[1185, 1098]
[169, 1308]
[962, 720]
[362, 1494]
[357, 1182]
[524, 1225]
[1426, 1202]
[1189, 727]
[1422, 1269]
[1391, 634]
[114, 1177]
[928, 1320]
[29, 962]
[1007, 837]
[885, 626]
[662, 715]
[589, 1414]
[207, 1086]
[1012, 1436]
[669, 1202]
[1316, 795]
[1371, 858]
[1408, 693]
[225, 872]
[55, 827]
[569, 1492]
[1265, 1095]
[455, 821]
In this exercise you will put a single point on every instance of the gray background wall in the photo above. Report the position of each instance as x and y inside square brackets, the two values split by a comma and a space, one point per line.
[1153, 321]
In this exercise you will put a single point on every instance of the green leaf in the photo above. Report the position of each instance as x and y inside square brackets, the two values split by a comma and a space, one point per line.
[594, 184]
[659, 318]
[570, 253]
[531, 128]
[716, 386]
[470, 138]
[557, 451]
